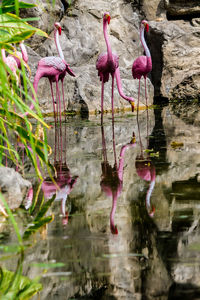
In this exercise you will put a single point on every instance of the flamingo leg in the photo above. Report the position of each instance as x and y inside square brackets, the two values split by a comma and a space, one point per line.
[59, 103]
[62, 81]
[145, 83]
[102, 96]
[54, 108]
[112, 97]
[61, 147]
[138, 99]
[113, 135]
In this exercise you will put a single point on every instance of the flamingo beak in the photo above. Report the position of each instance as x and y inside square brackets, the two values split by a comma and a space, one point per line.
[133, 141]
[151, 213]
[147, 27]
[132, 105]
[114, 230]
[108, 18]
[59, 30]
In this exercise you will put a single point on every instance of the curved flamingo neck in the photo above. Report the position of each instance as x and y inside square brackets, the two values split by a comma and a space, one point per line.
[57, 42]
[109, 51]
[142, 39]
[119, 86]
[24, 52]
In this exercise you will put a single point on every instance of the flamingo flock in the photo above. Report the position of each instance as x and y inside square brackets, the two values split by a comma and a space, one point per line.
[55, 68]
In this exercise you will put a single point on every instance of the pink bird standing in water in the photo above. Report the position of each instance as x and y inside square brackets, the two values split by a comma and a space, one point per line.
[143, 64]
[108, 64]
[54, 68]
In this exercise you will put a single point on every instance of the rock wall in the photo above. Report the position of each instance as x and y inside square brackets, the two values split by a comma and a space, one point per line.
[174, 45]
[82, 41]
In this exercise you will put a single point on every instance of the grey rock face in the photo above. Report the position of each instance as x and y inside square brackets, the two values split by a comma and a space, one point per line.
[13, 187]
[175, 48]
[182, 7]
[82, 41]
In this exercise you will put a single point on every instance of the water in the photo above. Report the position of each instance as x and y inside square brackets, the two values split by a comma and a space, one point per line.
[125, 220]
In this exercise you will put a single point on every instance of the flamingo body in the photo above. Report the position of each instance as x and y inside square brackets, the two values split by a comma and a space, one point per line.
[11, 63]
[106, 67]
[23, 55]
[141, 67]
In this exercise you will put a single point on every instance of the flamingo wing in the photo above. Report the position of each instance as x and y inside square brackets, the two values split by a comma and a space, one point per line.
[139, 67]
[53, 61]
[116, 60]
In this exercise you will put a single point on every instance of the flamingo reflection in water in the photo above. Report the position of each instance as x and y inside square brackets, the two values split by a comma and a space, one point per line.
[112, 177]
[146, 170]
[63, 180]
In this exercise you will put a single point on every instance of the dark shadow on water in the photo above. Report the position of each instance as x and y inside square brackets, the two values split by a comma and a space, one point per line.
[184, 292]
[157, 142]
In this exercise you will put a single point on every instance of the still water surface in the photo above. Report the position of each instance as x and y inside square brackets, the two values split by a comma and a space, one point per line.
[125, 214]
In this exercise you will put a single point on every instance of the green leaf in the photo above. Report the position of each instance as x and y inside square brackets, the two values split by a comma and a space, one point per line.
[9, 7]
[37, 225]
[21, 289]
[13, 29]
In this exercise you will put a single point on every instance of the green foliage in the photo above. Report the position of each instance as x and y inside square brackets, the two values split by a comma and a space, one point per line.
[21, 288]
[9, 6]
[14, 30]
[16, 94]
[40, 220]
[13, 285]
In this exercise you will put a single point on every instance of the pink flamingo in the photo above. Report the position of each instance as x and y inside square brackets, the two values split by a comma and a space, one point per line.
[108, 64]
[54, 68]
[146, 170]
[143, 64]
[112, 177]
[23, 55]
[11, 63]
[63, 181]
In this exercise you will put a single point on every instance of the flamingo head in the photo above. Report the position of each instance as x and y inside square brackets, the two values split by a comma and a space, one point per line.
[133, 140]
[65, 219]
[106, 17]
[58, 27]
[114, 229]
[151, 211]
[145, 24]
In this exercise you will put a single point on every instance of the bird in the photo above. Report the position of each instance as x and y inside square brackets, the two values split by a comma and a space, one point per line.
[21, 55]
[108, 64]
[11, 63]
[142, 66]
[112, 177]
[54, 68]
